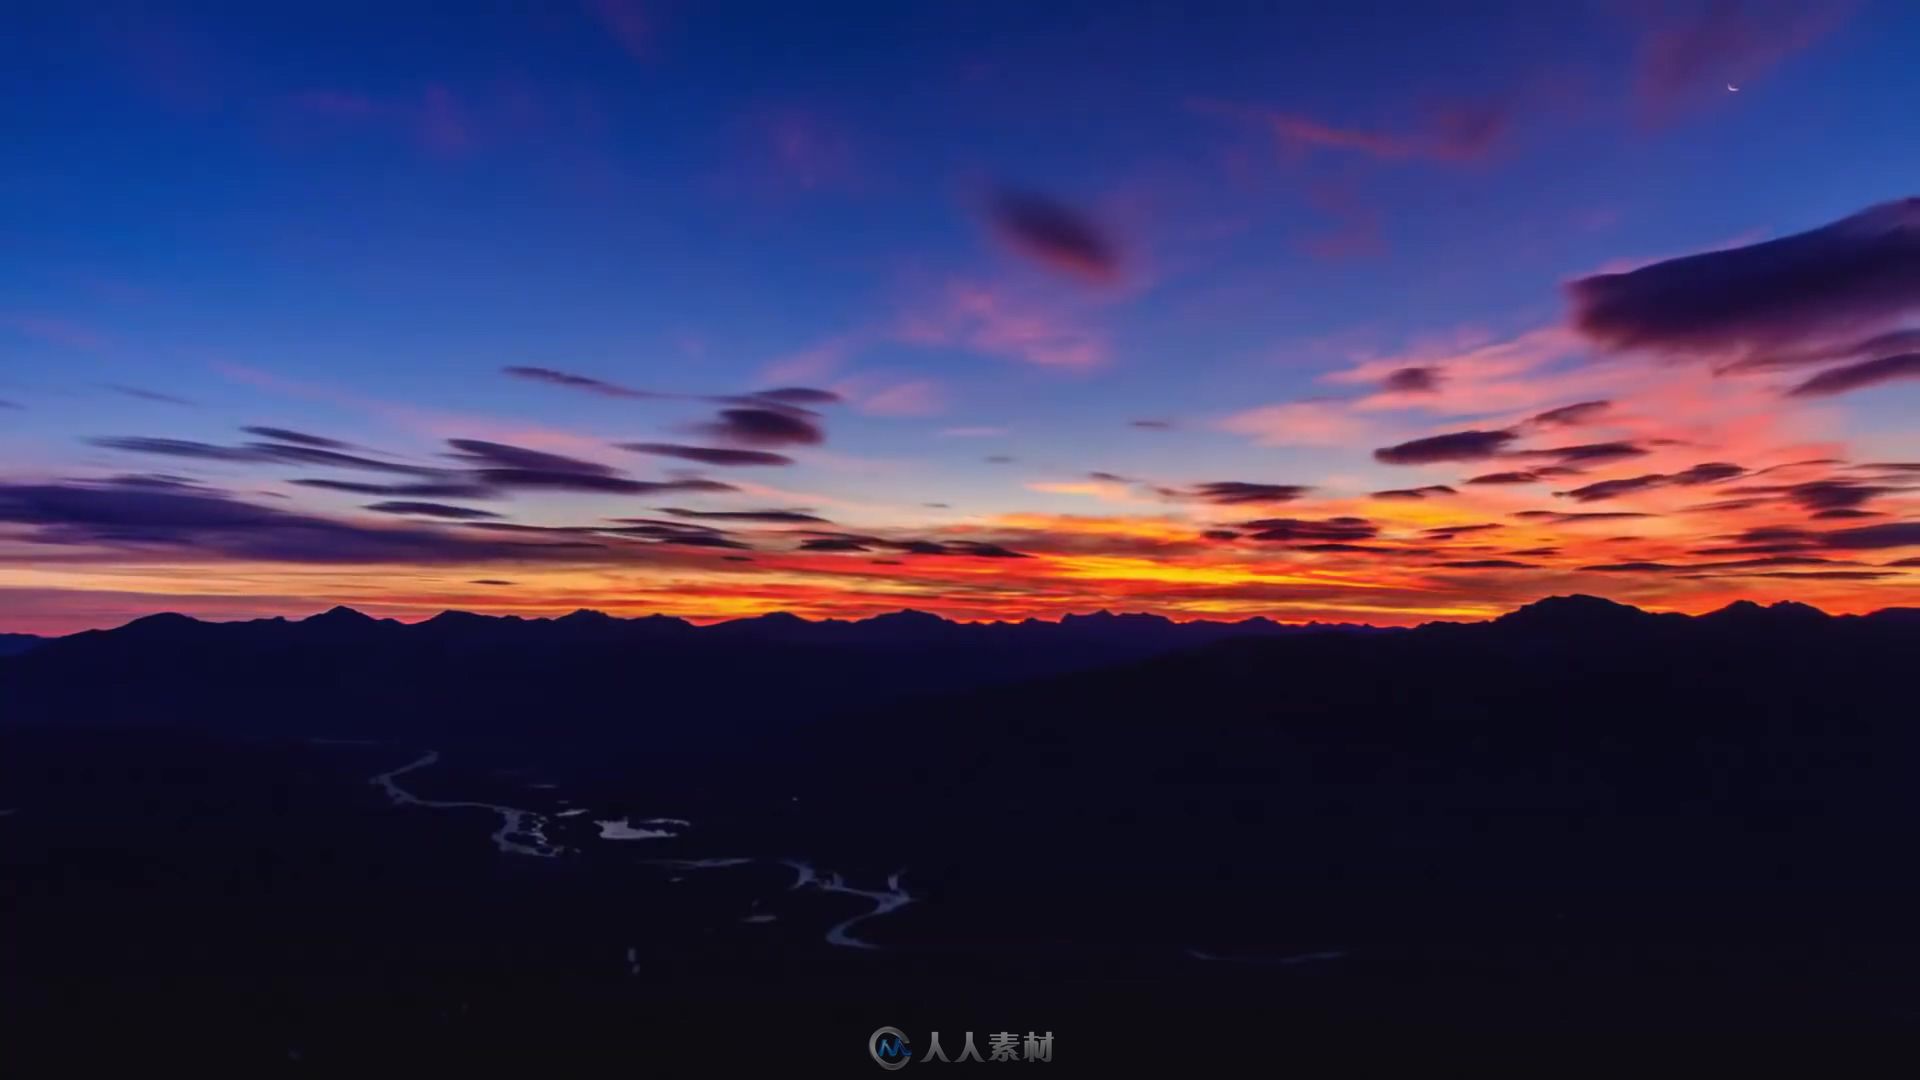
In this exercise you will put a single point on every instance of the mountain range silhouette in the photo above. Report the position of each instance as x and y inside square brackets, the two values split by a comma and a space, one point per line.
[1576, 816]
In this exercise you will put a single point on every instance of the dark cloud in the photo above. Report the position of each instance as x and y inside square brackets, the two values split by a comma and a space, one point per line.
[430, 509]
[1854, 376]
[211, 524]
[833, 543]
[313, 455]
[1449, 531]
[260, 452]
[1842, 512]
[148, 395]
[765, 427]
[1412, 380]
[1414, 493]
[298, 438]
[1488, 564]
[1220, 534]
[1588, 453]
[1769, 561]
[682, 536]
[774, 516]
[1240, 492]
[853, 542]
[562, 480]
[1709, 472]
[1833, 494]
[163, 481]
[1340, 529]
[1109, 478]
[186, 448]
[1705, 473]
[427, 489]
[1914, 561]
[1053, 234]
[797, 395]
[1634, 568]
[1868, 537]
[980, 550]
[1506, 478]
[1569, 518]
[1829, 575]
[711, 455]
[1571, 415]
[490, 581]
[577, 382]
[504, 456]
[1805, 290]
[1454, 446]
[1873, 348]
[1151, 425]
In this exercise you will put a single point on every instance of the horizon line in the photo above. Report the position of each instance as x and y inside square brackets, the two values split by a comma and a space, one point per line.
[698, 622]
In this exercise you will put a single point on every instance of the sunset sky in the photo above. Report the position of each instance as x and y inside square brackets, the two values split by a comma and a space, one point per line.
[993, 310]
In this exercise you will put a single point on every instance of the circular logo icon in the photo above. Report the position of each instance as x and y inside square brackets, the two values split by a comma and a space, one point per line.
[888, 1045]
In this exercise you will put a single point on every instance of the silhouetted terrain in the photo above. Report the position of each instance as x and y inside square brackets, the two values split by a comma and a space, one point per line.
[14, 644]
[271, 840]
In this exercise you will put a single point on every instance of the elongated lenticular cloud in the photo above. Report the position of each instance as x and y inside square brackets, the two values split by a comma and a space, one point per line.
[1854, 376]
[507, 456]
[301, 438]
[797, 395]
[1239, 492]
[710, 455]
[1454, 446]
[1412, 380]
[766, 427]
[1807, 290]
[1571, 415]
[1054, 235]
[431, 509]
[577, 382]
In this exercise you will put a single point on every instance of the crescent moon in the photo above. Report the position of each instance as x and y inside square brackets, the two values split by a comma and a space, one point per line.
[1733, 88]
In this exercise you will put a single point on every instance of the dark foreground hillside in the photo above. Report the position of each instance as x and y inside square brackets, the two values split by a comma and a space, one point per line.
[628, 842]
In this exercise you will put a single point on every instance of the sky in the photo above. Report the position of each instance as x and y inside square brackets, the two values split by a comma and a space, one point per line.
[995, 310]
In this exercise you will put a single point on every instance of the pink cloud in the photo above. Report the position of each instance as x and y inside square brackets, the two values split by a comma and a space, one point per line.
[814, 362]
[1473, 375]
[1451, 132]
[990, 320]
[1299, 423]
[917, 397]
[1689, 56]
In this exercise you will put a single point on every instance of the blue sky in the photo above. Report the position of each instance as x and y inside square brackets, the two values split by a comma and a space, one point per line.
[350, 219]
